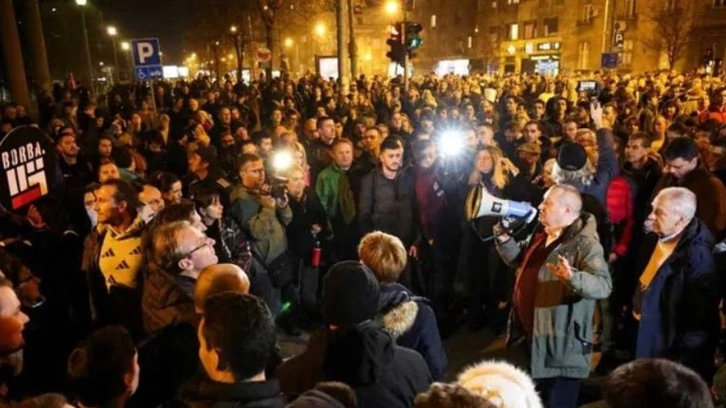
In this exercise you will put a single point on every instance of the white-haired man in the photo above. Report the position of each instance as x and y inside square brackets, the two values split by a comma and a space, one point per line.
[561, 272]
[676, 302]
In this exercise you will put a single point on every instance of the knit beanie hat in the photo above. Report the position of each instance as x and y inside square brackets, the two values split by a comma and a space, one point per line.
[350, 294]
[572, 156]
[502, 384]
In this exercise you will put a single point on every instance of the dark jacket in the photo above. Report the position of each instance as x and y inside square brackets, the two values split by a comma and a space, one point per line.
[166, 300]
[607, 168]
[411, 322]
[388, 205]
[305, 213]
[381, 373]
[680, 308]
[712, 209]
[207, 393]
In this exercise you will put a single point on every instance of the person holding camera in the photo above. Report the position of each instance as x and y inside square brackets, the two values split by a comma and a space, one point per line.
[264, 218]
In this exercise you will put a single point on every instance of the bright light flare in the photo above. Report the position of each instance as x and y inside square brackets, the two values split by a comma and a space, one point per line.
[451, 143]
[282, 161]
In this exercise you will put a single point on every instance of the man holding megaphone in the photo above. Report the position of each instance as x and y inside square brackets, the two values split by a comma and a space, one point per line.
[561, 271]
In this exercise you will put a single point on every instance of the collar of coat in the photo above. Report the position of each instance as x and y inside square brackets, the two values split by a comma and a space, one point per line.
[133, 230]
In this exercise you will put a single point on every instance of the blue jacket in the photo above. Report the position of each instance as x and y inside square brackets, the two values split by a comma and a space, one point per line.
[411, 322]
[679, 311]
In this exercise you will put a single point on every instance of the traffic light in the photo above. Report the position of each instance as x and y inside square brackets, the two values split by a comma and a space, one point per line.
[397, 51]
[413, 36]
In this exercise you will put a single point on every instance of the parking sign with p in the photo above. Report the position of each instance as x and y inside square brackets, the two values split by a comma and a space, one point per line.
[147, 58]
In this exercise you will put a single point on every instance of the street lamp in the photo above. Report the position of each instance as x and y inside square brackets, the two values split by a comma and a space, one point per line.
[125, 45]
[289, 42]
[89, 63]
[233, 29]
[320, 29]
[111, 30]
[392, 7]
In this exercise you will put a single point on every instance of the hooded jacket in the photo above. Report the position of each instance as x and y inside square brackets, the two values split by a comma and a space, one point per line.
[561, 344]
[366, 358]
[411, 322]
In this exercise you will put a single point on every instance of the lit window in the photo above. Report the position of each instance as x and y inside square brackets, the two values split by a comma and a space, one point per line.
[630, 7]
[469, 42]
[433, 21]
[514, 31]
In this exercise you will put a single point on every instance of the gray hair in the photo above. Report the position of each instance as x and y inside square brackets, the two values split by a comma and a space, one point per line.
[680, 200]
[584, 176]
[571, 196]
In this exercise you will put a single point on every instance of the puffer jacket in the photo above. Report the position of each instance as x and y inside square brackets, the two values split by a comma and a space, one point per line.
[561, 344]
[410, 320]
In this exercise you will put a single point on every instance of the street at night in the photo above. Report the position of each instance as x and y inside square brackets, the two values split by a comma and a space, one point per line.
[362, 203]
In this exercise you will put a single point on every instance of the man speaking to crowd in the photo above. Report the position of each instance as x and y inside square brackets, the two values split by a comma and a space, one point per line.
[561, 272]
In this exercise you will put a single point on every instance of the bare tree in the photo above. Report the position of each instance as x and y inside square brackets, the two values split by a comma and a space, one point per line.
[672, 23]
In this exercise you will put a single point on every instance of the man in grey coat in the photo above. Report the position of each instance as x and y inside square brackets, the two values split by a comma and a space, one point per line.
[561, 271]
[264, 219]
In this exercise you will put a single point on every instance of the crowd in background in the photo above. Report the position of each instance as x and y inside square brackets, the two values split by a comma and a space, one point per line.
[188, 231]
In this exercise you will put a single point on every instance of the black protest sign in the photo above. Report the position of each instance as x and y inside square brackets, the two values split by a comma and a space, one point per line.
[27, 160]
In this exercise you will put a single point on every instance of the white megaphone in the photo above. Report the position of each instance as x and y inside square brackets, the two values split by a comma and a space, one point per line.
[479, 203]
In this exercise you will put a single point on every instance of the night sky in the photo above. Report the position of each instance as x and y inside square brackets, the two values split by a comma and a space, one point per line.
[165, 19]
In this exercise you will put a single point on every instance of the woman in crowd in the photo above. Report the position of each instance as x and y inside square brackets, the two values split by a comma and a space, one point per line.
[480, 269]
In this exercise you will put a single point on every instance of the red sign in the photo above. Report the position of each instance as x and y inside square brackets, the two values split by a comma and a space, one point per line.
[264, 54]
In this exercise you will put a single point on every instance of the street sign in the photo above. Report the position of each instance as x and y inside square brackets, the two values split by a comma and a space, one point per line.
[609, 60]
[264, 54]
[147, 59]
[149, 73]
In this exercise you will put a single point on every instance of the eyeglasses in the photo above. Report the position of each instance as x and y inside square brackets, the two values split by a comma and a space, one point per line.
[207, 242]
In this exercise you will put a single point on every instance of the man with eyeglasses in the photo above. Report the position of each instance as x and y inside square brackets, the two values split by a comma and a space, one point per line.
[179, 252]
[263, 217]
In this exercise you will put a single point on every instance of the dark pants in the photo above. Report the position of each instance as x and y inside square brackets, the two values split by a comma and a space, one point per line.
[261, 286]
[559, 392]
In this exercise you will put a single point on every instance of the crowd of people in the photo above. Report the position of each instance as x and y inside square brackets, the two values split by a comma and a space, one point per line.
[188, 233]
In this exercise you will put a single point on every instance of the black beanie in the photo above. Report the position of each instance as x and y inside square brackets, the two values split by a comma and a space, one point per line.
[571, 156]
[350, 294]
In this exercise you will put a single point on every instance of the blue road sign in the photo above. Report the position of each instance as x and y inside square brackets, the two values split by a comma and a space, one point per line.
[610, 60]
[148, 73]
[147, 58]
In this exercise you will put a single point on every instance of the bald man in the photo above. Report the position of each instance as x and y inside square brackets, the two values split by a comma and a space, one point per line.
[217, 279]
[561, 272]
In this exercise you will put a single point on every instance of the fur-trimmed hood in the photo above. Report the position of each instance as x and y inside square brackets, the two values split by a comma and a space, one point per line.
[398, 309]
[502, 384]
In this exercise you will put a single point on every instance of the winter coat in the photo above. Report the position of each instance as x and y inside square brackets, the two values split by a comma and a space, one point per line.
[684, 313]
[205, 393]
[305, 213]
[561, 344]
[166, 300]
[264, 225]
[123, 304]
[366, 358]
[712, 211]
[410, 320]
[388, 205]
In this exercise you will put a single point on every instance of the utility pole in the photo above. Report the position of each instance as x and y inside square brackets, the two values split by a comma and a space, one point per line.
[352, 47]
[89, 63]
[37, 46]
[340, 23]
[13, 56]
[404, 26]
